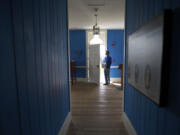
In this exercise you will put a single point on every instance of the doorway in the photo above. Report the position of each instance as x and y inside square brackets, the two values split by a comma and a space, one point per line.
[95, 57]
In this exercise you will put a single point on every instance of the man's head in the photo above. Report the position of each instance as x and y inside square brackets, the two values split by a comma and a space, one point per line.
[107, 53]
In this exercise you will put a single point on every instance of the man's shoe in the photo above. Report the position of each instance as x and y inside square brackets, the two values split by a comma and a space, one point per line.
[105, 84]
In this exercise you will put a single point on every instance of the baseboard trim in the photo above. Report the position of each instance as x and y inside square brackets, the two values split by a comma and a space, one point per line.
[65, 126]
[128, 125]
[82, 80]
[115, 80]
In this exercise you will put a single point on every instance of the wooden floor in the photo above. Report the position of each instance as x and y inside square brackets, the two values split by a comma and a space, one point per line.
[96, 110]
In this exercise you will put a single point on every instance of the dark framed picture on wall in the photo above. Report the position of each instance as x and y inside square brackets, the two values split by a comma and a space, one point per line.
[149, 58]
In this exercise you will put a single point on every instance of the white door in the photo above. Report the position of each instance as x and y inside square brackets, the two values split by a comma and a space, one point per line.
[94, 63]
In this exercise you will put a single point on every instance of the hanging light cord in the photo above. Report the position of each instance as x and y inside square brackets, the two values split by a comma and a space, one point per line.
[95, 27]
[96, 15]
[96, 18]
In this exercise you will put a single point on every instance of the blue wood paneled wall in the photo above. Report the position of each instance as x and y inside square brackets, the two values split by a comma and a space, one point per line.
[116, 50]
[78, 50]
[34, 84]
[9, 112]
[148, 118]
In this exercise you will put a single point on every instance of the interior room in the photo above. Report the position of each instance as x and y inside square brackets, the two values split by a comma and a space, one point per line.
[83, 15]
[94, 27]
[89, 67]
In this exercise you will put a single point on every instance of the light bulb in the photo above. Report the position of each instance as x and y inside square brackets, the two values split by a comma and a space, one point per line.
[96, 40]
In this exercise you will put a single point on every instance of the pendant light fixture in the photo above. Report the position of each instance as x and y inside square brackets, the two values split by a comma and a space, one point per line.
[96, 31]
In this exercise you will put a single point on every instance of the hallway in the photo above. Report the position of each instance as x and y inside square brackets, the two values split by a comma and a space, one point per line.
[41, 40]
[96, 110]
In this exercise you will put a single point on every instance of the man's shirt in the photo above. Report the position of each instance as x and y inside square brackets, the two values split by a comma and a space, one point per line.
[108, 61]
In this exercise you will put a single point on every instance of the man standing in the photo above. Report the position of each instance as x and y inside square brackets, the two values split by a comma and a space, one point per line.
[107, 61]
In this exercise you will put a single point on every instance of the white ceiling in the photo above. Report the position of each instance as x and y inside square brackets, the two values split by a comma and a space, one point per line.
[110, 16]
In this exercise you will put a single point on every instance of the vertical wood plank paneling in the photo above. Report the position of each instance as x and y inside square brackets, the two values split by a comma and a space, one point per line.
[38, 72]
[65, 55]
[60, 68]
[136, 13]
[34, 95]
[31, 65]
[49, 52]
[173, 124]
[144, 101]
[44, 64]
[48, 66]
[147, 118]
[9, 114]
[52, 62]
[59, 113]
[21, 67]
[56, 62]
[135, 105]
[51, 74]
[175, 4]
[162, 120]
[36, 30]
[40, 37]
[140, 115]
[168, 4]
[40, 75]
[150, 9]
[141, 11]
[145, 16]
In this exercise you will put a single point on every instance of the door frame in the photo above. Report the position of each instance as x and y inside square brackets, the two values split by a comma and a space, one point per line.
[124, 57]
[68, 55]
[87, 49]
